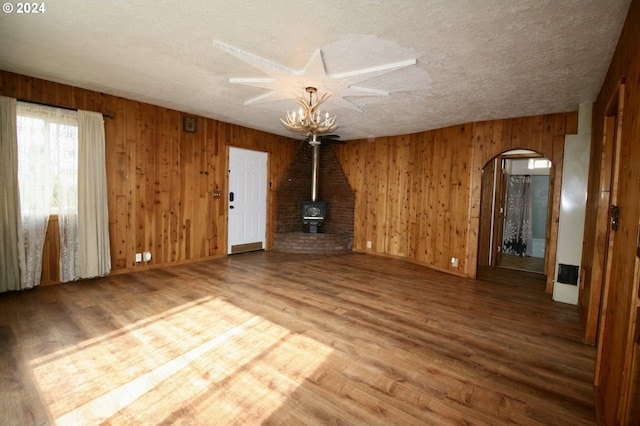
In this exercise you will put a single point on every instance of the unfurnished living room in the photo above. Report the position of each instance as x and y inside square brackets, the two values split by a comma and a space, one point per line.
[358, 213]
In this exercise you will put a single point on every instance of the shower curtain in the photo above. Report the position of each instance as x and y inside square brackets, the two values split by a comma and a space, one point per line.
[518, 230]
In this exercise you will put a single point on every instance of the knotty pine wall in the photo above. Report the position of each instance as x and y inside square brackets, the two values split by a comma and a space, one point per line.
[617, 393]
[161, 179]
[418, 195]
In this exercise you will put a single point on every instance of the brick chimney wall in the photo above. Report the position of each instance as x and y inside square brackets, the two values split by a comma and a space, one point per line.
[333, 188]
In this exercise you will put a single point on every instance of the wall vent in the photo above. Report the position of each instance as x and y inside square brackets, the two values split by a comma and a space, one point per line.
[567, 274]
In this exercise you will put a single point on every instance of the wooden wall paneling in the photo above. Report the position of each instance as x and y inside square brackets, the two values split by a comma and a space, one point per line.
[481, 195]
[517, 138]
[64, 95]
[493, 140]
[448, 249]
[33, 87]
[361, 191]
[78, 97]
[596, 221]
[50, 253]
[409, 209]
[396, 206]
[375, 171]
[114, 130]
[442, 176]
[353, 158]
[559, 124]
[221, 159]
[158, 200]
[147, 210]
[551, 145]
[161, 193]
[173, 127]
[483, 143]
[506, 138]
[495, 145]
[379, 212]
[474, 191]
[199, 207]
[50, 94]
[139, 144]
[546, 149]
[216, 183]
[201, 189]
[356, 172]
[424, 196]
[143, 144]
[403, 186]
[537, 129]
[486, 215]
[614, 391]
[388, 197]
[9, 83]
[555, 186]
[442, 216]
[462, 202]
[430, 200]
[417, 196]
[187, 196]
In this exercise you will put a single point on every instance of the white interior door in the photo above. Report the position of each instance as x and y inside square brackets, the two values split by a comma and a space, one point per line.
[247, 200]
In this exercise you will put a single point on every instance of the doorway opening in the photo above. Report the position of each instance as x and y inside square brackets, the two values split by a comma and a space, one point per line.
[515, 212]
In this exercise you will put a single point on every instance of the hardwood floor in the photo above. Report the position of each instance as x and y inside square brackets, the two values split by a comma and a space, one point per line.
[271, 338]
[527, 263]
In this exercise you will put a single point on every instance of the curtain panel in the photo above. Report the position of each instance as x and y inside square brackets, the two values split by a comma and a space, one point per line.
[518, 228]
[11, 243]
[94, 258]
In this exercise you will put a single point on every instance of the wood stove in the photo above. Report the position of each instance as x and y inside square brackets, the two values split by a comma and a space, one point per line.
[313, 214]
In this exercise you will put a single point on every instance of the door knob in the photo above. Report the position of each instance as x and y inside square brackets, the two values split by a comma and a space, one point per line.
[615, 217]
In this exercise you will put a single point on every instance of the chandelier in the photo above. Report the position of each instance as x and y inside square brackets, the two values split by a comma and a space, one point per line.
[308, 120]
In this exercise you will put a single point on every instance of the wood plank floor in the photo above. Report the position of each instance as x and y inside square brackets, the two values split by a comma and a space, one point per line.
[526, 263]
[271, 338]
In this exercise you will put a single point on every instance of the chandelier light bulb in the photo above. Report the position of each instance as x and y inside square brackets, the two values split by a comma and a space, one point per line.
[308, 119]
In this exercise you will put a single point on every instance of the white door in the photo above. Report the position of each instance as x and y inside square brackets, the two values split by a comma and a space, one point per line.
[247, 227]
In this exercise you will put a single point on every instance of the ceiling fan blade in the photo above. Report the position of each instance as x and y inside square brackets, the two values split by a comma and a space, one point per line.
[326, 138]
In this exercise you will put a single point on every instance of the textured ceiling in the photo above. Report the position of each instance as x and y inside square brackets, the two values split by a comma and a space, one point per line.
[391, 67]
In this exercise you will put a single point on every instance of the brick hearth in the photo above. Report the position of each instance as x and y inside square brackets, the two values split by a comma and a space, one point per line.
[302, 242]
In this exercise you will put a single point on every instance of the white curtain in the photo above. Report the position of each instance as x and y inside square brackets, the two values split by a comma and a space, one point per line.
[46, 139]
[65, 159]
[11, 252]
[94, 257]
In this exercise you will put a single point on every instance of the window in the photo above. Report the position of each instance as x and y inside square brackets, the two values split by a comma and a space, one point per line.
[48, 183]
[539, 163]
[51, 164]
[47, 159]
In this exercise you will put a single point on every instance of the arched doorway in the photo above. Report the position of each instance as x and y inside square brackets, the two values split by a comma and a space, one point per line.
[515, 211]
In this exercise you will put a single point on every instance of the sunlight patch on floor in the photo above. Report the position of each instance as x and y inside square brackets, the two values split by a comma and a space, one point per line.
[206, 360]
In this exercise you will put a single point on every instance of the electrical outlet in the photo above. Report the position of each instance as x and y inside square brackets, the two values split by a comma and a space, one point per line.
[138, 257]
[368, 244]
[454, 262]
